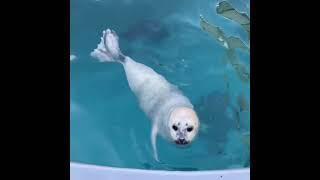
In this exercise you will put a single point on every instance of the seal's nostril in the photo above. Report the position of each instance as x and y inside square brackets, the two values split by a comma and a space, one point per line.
[182, 141]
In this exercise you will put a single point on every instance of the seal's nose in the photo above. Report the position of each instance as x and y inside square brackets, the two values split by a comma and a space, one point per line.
[181, 141]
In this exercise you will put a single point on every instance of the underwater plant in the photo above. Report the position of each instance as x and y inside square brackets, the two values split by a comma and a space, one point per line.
[242, 102]
[246, 138]
[230, 43]
[225, 9]
[217, 33]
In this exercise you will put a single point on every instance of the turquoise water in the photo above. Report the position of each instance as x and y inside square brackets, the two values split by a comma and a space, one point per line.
[107, 125]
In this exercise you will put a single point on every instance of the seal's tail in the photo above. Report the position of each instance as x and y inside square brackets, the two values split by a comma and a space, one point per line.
[108, 49]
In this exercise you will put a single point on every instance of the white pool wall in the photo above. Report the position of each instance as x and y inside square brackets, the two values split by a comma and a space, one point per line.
[79, 171]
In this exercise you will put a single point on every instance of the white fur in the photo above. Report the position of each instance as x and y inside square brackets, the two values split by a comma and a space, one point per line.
[157, 97]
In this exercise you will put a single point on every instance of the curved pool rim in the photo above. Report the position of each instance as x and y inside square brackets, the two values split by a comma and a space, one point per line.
[81, 171]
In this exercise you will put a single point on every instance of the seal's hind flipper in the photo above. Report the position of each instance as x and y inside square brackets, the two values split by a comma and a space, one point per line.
[108, 49]
[154, 133]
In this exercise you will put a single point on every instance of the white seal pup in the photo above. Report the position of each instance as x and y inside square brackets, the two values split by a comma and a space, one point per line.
[171, 113]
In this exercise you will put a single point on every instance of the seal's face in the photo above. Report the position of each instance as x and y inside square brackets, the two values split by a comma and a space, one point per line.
[183, 125]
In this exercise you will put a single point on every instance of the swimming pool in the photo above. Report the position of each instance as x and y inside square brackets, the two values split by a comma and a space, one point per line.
[107, 126]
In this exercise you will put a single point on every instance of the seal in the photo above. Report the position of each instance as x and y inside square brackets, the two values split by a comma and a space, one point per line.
[171, 113]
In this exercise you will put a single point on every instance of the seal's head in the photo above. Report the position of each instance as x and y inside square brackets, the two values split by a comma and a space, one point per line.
[183, 125]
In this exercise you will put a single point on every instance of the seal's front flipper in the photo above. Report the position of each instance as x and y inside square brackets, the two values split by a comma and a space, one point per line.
[154, 133]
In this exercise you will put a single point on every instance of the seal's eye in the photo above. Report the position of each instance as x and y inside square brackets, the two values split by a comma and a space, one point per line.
[174, 127]
[189, 129]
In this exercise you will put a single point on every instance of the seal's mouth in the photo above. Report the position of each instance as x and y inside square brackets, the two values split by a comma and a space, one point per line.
[181, 142]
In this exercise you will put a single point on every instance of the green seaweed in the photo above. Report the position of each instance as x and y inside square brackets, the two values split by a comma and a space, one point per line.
[217, 33]
[226, 10]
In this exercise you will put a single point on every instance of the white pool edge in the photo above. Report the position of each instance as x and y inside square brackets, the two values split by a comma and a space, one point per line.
[80, 171]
